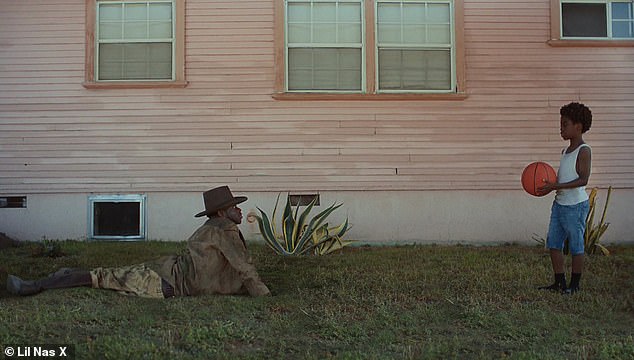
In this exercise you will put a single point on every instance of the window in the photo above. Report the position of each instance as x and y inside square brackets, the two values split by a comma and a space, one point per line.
[414, 46]
[13, 202]
[303, 199]
[117, 217]
[324, 45]
[622, 20]
[608, 21]
[135, 42]
[583, 20]
[374, 48]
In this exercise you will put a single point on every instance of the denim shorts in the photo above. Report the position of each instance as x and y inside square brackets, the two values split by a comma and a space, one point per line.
[568, 222]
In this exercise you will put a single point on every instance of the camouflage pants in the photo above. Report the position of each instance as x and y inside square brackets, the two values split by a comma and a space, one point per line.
[137, 280]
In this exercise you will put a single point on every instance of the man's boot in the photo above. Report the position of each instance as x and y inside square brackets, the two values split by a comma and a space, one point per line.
[17, 286]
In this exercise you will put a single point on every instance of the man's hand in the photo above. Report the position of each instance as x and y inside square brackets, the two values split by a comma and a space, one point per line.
[257, 288]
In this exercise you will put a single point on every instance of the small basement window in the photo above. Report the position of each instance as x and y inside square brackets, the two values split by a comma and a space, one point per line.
[117, 217]
[12, 201]
[303, 199]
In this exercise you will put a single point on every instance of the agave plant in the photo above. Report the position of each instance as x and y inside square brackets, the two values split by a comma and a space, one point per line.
[299, 235]
[593, 233]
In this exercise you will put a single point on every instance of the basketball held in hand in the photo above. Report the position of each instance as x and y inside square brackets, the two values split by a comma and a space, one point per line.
[535, 176]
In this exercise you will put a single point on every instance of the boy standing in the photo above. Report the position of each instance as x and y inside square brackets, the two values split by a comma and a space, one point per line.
[570, 208]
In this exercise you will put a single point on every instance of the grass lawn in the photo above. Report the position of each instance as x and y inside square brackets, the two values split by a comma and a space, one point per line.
[406, 302]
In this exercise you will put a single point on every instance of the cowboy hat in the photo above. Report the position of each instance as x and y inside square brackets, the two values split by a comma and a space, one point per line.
[218, 199]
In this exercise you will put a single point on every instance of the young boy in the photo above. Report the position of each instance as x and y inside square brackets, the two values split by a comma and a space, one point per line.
[570, 208]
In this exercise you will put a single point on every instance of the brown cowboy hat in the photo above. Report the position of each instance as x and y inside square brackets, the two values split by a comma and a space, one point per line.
[218, 199]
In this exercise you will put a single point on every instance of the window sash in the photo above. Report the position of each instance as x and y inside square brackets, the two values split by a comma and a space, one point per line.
[625, 24]
[426, 78]
[94, 232]
[131, 66]
[309, 33]
[610, 21]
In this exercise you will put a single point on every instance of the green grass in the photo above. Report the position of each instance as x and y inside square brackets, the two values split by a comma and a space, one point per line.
[406, 302]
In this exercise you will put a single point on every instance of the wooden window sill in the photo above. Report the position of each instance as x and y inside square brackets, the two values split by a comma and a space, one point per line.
[134, 84]
[355, 97]
[590, 43]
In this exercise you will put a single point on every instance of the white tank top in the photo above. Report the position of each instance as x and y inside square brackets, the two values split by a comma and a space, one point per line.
[568, 172]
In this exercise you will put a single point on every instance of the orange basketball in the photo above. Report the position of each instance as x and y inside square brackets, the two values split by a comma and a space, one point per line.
[534, 175]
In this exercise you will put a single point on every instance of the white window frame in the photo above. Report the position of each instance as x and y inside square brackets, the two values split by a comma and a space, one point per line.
[135, 198]
[608, 13]
[452, 48]
[325, 45]
[280, 33]
[172, 40]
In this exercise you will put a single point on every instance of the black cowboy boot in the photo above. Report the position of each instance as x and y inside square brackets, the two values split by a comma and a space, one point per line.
[17, 286]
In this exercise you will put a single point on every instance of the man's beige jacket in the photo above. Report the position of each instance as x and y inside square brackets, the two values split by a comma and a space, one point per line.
[216, 262]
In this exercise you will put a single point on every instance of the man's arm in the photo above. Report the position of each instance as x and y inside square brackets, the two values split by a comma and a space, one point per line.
[236, 254]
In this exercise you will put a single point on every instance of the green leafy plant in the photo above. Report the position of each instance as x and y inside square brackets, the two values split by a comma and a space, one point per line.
[593, 232]
[299, 235]
[46, 248]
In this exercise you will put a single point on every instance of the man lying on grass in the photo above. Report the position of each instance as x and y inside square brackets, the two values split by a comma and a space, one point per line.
[216, 262]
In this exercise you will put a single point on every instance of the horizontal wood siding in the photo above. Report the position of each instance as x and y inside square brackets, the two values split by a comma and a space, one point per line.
[225, 127]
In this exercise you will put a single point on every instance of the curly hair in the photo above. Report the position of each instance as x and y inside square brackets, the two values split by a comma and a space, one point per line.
[578, 114]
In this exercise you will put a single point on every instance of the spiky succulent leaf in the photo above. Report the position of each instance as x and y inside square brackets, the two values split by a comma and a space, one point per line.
[316, 221]
[287, 226]
[340, 230]
[299, 227]
[603, 249]
[267, 232]
[274, 215]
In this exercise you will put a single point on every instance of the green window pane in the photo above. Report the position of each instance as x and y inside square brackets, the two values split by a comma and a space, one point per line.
[135, 61]
[110, 31]
[349, 33]
[389, 33]
[324, 69]
[439, 34]
[110, 12]
[438, 13]
[324, 23]
[389, 13]
[135, 30]
[299, 33]
[160, 30]
[135, 12]
[324, 12]
[414, 34]
[161, 11]
[413, 13]
[298, 12]
[110, 20]
[414, 69]
[350, 12]
[325, 33]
